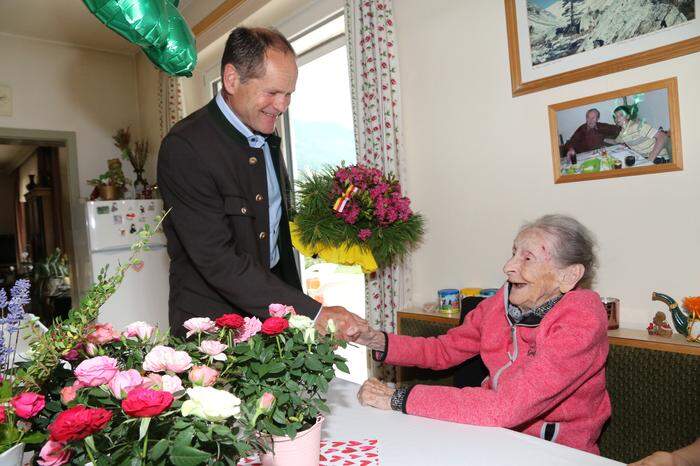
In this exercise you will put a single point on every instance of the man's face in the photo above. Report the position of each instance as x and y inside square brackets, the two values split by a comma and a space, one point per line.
[591, 119]
[259, 101]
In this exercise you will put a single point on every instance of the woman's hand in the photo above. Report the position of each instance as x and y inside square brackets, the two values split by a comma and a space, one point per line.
[375, 393]
[372, 339]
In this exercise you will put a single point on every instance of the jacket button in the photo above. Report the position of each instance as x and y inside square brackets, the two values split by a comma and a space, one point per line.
[244, 210]
[262, 235]
[252, 160]
[259, 197]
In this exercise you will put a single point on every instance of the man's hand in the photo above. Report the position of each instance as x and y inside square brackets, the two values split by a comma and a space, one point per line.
[660, 458]
[375, 393]
[348, 325]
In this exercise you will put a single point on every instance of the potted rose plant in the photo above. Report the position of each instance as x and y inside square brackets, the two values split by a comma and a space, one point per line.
[282, 371]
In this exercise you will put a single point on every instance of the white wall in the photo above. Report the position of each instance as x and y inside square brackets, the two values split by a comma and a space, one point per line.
[479, 164]
[66, 88]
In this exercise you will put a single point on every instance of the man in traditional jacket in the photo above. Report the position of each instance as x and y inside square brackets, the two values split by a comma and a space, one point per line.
[221, 172]
[590, 135]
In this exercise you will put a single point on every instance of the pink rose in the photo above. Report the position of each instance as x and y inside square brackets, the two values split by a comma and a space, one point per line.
[266, 402]
[3, 414]
[102, 333]
[280, 310]
[155, 359]
[125, 381]
[203, 375]
[163, 358]
[53, 454]
[96, 371]
[199, 325]
[213, 348]
[153, 381]
[167, 383]
[139, 330]
[91, 349]
[69, 393]
[171, 383]
[251, 327]
[28, 404]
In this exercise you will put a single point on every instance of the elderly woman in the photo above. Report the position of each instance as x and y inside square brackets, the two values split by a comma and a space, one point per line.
[543, 338]
[639, 136]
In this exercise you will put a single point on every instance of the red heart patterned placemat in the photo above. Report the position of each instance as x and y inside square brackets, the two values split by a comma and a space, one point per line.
[339, 453]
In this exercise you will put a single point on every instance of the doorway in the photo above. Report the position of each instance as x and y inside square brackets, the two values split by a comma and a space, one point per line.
[39, 207]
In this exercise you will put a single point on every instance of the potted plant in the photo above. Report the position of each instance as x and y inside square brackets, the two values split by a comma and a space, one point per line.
[51, 273]
[283, 370]
[111, 184]
[137, 157]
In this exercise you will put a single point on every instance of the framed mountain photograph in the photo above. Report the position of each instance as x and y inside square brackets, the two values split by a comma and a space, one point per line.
[556, 42]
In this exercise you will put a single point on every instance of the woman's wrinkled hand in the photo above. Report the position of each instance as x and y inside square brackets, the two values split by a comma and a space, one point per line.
[375, 393]
[372, 339]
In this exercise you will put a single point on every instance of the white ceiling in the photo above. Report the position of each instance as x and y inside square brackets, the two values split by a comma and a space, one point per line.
[67, 21]
[11, 154]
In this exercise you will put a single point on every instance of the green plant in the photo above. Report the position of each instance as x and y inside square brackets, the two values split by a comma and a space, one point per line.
[295, 366]
[53, 266]
[114, 176]
[136, 156]
[357, 206]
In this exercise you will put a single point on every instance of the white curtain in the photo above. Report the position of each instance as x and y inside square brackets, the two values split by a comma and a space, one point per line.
[170, 102]
[374, 77]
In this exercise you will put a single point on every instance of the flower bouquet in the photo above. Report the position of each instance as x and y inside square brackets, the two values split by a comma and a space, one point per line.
[138, 397]
[18, 406]
[345, 212]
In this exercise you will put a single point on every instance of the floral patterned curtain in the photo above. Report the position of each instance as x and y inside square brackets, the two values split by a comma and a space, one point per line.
[170, 102]
[374, 78]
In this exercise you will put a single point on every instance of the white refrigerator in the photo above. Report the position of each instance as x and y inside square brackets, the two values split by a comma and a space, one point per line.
[112, 227]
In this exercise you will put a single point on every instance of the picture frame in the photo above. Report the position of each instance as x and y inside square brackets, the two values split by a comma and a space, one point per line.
[626, 149]
[674, 41]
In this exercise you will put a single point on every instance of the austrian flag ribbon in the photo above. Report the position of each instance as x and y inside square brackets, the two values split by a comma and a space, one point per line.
[342, 201]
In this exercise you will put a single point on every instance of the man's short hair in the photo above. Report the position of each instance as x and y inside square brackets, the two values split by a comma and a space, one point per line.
[593, 110]
[246, 47]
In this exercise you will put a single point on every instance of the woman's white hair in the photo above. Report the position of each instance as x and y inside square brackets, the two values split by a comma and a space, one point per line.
[573, 243]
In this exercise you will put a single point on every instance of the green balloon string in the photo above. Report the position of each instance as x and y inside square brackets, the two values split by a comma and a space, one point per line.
[156, 26]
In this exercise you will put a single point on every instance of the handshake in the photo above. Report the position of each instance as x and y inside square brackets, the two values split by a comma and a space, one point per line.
[350, 327]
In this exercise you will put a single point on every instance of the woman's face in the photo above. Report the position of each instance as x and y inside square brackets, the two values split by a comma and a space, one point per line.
[621, 118]
[531, 270]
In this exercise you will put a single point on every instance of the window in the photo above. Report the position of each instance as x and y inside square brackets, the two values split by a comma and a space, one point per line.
[318, 131]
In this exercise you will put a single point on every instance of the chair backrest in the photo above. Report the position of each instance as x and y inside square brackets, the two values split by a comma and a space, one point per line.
[468, 304]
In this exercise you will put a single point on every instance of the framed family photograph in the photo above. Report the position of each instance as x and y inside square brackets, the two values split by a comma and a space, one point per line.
[631, 131]
[556, 42]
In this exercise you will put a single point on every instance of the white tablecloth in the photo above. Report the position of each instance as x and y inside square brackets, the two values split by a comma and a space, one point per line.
[411, 440]
[618, 151]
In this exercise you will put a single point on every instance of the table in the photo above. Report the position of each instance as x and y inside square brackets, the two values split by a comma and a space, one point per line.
[618, 151]
[407, 440]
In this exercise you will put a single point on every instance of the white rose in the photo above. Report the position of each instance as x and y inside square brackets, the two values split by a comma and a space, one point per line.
[310, 336]
[300, 322]
[211, 404]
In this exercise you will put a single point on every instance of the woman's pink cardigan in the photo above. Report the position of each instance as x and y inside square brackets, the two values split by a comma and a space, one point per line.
[547, 381]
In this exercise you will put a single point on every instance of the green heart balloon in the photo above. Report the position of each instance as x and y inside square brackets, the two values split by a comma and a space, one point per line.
[178, 56]
[142, 22]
